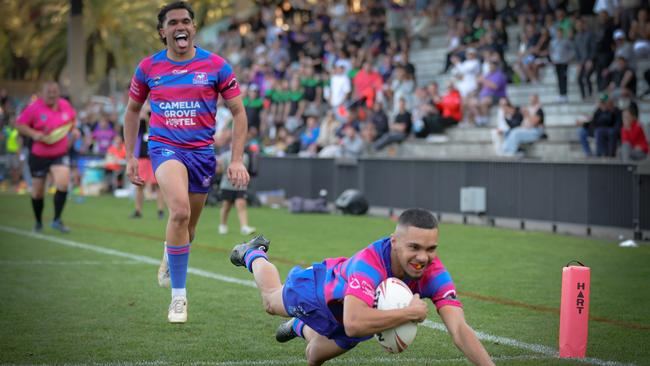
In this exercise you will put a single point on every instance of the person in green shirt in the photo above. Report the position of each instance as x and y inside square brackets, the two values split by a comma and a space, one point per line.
[12, 149]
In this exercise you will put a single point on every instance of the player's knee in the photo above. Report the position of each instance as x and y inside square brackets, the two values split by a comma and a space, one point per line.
[180, 215]
[268, 306]
[312, 356]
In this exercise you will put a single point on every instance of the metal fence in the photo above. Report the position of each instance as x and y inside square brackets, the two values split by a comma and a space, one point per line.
[603, 194]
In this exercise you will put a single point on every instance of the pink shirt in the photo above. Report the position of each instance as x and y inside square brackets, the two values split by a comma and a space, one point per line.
[43, 118]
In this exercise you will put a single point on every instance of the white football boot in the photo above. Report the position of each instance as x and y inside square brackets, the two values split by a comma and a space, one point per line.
[178, 310]
[163, 273]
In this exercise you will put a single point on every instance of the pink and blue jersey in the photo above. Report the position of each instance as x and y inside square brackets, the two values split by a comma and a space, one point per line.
[183, 97]
[360, 275]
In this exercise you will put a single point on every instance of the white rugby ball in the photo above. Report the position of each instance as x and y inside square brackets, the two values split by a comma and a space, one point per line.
[393, 293]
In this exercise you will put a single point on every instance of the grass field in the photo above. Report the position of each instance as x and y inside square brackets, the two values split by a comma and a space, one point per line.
[90, 297]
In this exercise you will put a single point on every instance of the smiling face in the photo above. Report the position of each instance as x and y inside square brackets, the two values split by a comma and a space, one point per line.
[412, 250]
[178, 33]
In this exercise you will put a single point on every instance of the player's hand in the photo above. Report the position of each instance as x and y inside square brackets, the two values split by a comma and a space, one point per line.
[38, 136]
[237, 174]
[132, 171]
[418, 309]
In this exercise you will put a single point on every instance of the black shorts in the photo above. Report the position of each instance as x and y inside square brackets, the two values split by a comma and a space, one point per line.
[39, 167]
[231, 195]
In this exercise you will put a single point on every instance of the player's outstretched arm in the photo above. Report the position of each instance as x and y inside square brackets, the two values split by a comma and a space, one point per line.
[361, 320]
[463, 335]
[131, 126]
[237, 173]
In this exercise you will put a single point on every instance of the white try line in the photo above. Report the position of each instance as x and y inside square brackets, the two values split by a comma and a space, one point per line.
[66, 263]
[536, 348]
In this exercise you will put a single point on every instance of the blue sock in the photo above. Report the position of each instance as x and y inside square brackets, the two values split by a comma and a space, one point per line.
[297, 327]
[178, 257]
[251, 255]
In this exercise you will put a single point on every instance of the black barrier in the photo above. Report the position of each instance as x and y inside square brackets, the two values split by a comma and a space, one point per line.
[594, 193]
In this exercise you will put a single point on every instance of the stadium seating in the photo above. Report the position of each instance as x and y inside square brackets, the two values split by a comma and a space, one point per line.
[474, 142]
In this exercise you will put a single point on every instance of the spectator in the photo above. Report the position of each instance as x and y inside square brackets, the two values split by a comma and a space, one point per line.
[508, 117]
[450, 111]
[367, 84]
[493, 87]
[423, 109]
[525, 55]
[604, 126]
[115, 164]
[624, 48]
[309, 136]
[295, 104]
[634, 145]
[531, 129]
[103, 135]
[327, 136]
[351, 145]
[12, 143]
[254, 105]
[604, 54]
[284, 144]
[541, 52]
[466, 72]
[561, 54]
[379, 121]
[399, 129]
[622, 79]
[401, 87]
[584, 48]
[339, 88]
[640, 34]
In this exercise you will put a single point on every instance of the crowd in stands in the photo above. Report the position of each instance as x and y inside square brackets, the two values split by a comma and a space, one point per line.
[334, 79]
[312, 69]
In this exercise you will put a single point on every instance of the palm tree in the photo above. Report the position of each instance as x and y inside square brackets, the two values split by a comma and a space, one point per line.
[118, 33]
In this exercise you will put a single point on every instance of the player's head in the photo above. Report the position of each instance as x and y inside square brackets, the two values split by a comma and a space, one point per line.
[176, 26]
[50, 92]
[414, 242]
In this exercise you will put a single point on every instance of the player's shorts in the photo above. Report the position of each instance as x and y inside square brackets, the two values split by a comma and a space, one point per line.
[232, 195]
[145, 171]
[303, 301]
[39, 166]
[200, 166]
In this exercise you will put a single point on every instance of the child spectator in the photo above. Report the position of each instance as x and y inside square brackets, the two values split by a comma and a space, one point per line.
[634, 145]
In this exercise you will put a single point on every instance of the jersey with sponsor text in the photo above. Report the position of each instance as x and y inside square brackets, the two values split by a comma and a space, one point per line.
[183, 97]
[360, 275]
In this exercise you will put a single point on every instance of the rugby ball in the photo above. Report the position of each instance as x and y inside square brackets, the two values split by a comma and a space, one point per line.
[393, 293]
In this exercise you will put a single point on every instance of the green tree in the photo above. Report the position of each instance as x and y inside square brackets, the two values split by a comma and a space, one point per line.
[118, 33]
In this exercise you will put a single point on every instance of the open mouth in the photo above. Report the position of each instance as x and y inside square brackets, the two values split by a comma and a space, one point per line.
[181, 40]
[417, 266]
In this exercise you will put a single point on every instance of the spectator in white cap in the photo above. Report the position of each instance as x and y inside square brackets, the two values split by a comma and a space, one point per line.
[623, 48]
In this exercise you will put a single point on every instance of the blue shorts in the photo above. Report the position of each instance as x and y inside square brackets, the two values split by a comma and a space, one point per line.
[303, 301]
[200, 166]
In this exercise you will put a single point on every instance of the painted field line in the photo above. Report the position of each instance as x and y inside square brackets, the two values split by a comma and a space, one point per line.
[66, 263]
[536, 348]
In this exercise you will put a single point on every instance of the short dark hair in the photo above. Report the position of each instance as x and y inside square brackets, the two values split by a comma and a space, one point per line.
[172, 6]
[417, 217]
